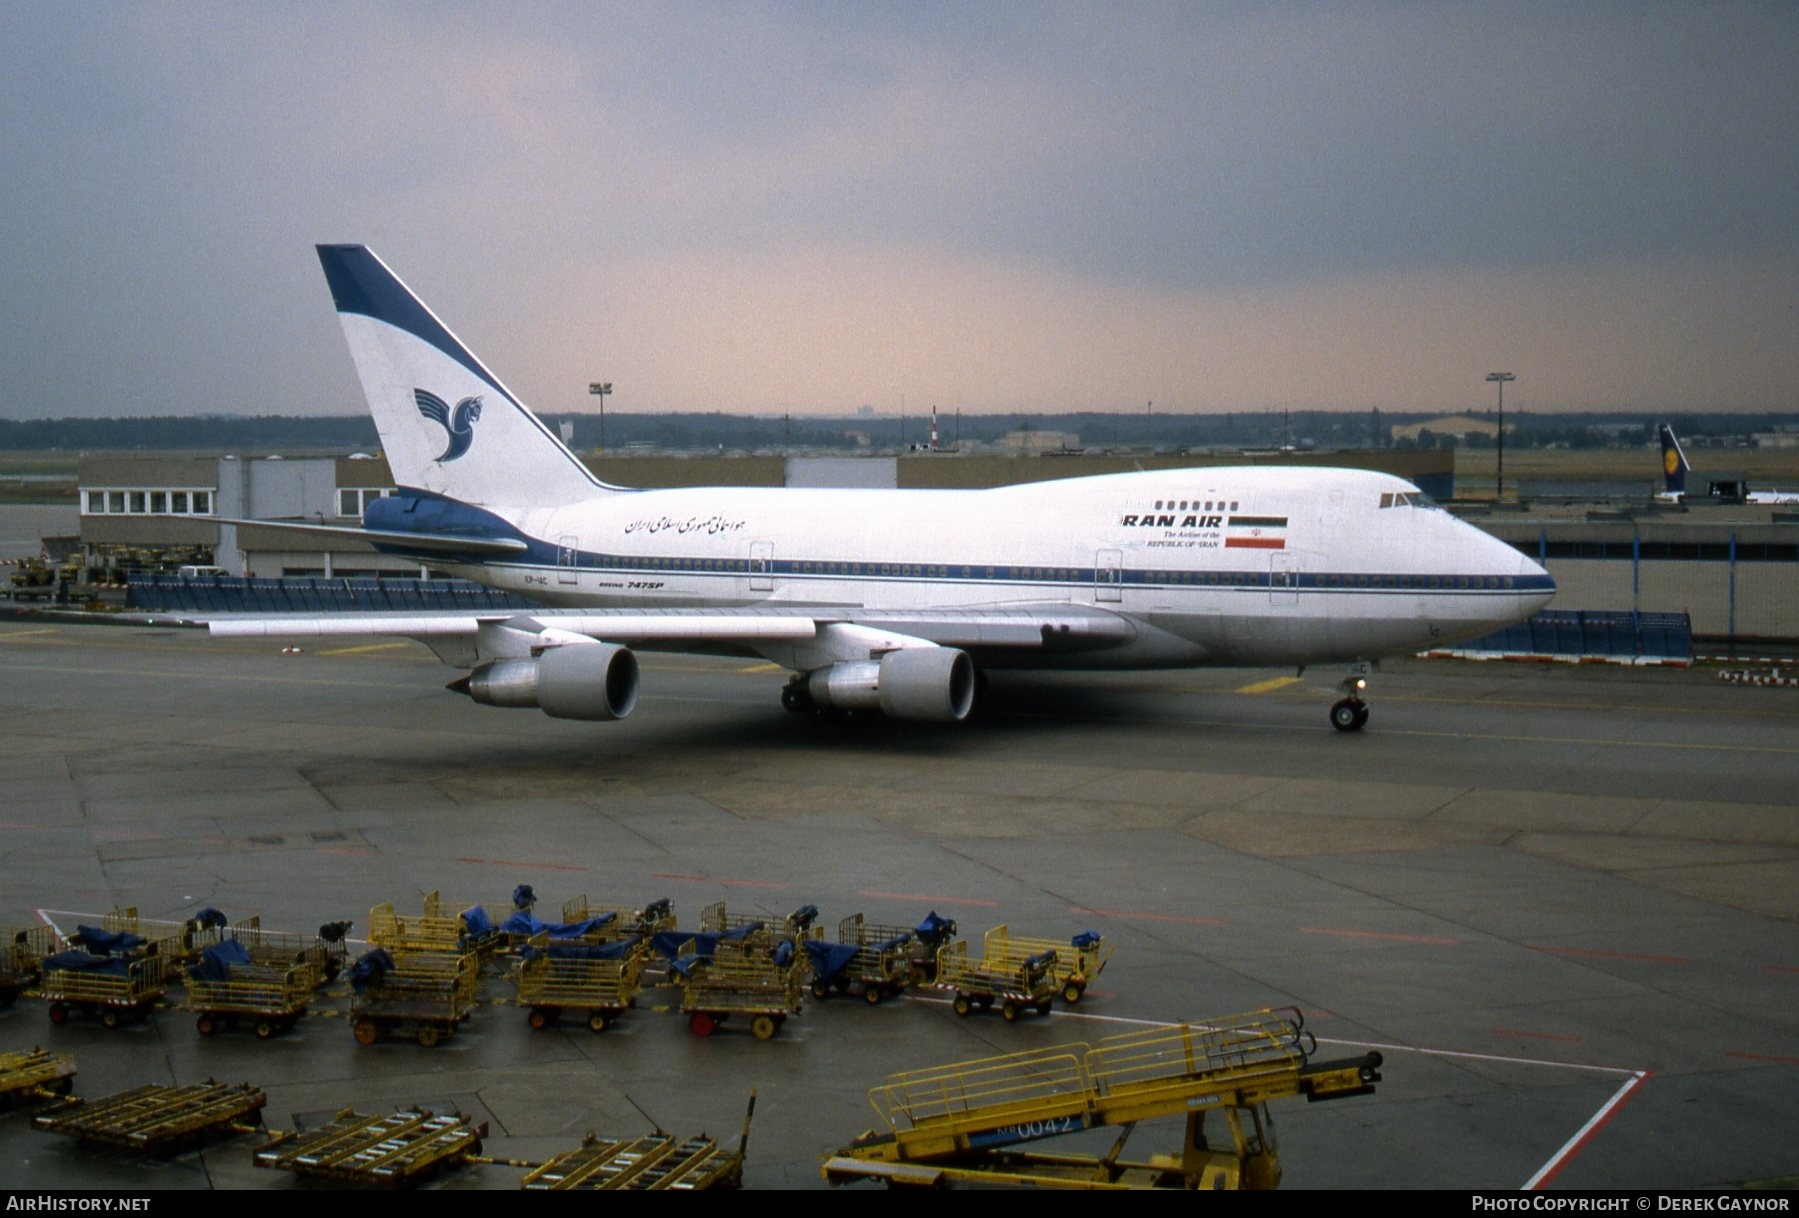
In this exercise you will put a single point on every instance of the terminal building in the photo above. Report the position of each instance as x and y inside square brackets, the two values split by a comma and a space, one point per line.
[1734, 568]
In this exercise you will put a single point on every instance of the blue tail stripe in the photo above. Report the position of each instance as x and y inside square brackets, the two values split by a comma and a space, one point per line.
[361, 284]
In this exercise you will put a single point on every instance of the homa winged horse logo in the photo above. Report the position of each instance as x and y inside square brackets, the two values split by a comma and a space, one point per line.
[459, 423]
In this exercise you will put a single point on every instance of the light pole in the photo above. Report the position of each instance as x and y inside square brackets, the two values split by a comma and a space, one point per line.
[1500, 378]
[600, 389]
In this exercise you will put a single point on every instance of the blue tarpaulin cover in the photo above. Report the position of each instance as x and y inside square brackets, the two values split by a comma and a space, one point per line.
[934, 930]
[893, 944]
[668, 943]
[783, 953]
[476, 922]
[106, 942]
[828, 959]
[369, 968]
[215, 962]
[522, 923]
[741, 932]
[619, 950]
[523, 897]
[1086, 939]
[87, 962]
[209, 918]
[803, 917]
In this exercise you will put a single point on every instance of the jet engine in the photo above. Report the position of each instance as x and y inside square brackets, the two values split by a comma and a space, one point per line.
[584, 681]
[935, 684]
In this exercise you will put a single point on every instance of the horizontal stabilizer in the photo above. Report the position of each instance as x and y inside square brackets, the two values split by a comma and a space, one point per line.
[430, 543]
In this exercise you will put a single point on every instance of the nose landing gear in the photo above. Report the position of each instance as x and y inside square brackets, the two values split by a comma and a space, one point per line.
[1350, 713]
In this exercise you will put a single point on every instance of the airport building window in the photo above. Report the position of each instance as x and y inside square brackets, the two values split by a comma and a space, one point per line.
[354, 500]
[161, 501]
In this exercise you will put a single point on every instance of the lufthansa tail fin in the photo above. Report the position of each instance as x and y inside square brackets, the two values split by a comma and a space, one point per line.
[447, 424]
[1674, 462]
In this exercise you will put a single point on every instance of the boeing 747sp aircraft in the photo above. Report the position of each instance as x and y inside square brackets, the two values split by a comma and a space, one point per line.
[876, 599]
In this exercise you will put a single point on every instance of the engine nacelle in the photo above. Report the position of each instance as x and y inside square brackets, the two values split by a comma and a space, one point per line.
[585, 681]
[934, 684]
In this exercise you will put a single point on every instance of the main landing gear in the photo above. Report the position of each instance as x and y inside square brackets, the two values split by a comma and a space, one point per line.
[1350, 713]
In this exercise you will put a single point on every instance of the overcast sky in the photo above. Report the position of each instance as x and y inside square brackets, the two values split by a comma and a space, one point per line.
[981, 205]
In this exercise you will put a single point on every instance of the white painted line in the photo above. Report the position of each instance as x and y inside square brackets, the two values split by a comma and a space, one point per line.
[1574, 1145]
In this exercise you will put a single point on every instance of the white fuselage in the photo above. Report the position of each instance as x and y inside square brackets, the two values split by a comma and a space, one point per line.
[1215, 565]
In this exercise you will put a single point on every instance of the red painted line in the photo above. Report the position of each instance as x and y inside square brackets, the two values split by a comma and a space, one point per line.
[1596, 954]
[927, 899]
[1588, 1132]
[714, 879]
[1781, 968]
[1148, 917]
[1762, 1057]
[1254, 543]
[515, 863]
[1374, 934]
[1573, 1040]
[356, 850]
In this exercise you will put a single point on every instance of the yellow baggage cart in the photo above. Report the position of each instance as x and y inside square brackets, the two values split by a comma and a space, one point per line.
[1078, 960]
[558, 977]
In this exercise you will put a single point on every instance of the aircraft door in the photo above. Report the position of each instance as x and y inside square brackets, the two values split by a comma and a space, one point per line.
[568, 550]
[762, 566]
[1283, 579]
[1108, 582]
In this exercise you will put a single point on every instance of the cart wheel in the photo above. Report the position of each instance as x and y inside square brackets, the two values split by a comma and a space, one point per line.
[1046, 1006]
[701, 1024]
[109, 1018]
[872, 995]
[265, 1028]
[597, 1021]
[366, 1032]
[820, 990]
[1071, 993]
[59, 1013]
[539, 1019]
[207, 1025]
[428, 1035]
[963, 1006]
[764, 1026]
[1009, 1010]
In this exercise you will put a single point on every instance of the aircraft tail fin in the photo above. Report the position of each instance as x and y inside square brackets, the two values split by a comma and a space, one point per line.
[1674, 462]
[447, 424]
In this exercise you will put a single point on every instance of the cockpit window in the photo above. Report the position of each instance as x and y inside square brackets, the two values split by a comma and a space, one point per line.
[1417, 499]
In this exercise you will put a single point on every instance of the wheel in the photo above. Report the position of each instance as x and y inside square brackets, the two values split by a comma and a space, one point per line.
[1071, 993]
[793, 698]
[539, 1019]
[764, 1026]
[1009, 1011]
[1045, 1007]
[963, 1006]
[59, 1013]
[1348, 715]
[207, 1025]
[872, 995]
[820, 990]
[597, 1021]
[265, 1028]
[428, 1035]
[701, 1024]
[109, 1018]
[1361, 716]
[366, 1032]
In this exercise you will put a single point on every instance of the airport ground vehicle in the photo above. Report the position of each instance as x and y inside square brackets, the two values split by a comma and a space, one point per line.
[966, 1123]
[22, 952]
[598, 981]
[116, 989]
[157, 1118]
[1017, 986]
[227, 987]
[1078, 960]
[877, 959]
[424, 994]
[740, 980]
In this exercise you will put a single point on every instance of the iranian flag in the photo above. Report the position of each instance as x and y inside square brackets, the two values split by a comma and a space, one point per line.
[1256, 533]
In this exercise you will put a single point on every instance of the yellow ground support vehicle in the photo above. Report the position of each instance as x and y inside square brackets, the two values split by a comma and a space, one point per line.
[1017, 986]
[118, 990]
[750, 929]
[398, 1149]
[35, 1074]
[739, 979]
[628, 921]
[963, 1123]
[1078, 960]
[270, 1000]
[22, 952]
[426, 994]
[558, 977]
[176, 941]
[653, 1162]
[877, 958]
[157, 1119]
[444, 926]
[322, 956]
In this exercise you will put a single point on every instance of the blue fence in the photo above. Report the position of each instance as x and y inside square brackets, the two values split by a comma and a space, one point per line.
[228, 594]
[1598, 633]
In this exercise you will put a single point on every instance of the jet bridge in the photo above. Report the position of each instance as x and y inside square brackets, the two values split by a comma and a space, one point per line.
[961, 1123]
